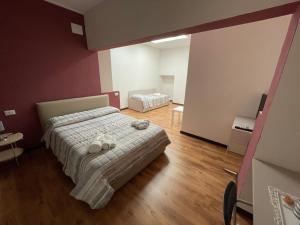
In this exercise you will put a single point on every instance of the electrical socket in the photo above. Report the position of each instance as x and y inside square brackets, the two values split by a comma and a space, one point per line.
[1, 126]
[11, 112]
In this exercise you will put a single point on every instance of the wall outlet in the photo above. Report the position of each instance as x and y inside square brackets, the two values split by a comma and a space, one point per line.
[11, 112]
[1, 126]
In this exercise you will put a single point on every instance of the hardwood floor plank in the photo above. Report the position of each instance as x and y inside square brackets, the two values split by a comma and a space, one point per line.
[183, 186]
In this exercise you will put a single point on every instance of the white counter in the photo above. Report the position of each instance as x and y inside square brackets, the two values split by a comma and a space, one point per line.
[265, 175]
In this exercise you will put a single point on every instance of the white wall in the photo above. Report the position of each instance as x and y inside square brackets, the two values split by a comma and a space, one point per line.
[138, 67]
[174, 61]
[279, 143]
[229, 69]
[167, 85]
[118, 21]
[134, 67]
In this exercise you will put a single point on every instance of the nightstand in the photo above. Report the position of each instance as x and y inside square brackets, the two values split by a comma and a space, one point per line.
[13, 152]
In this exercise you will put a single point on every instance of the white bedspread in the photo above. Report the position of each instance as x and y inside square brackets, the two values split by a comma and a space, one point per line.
[152, 100]
[69, 137]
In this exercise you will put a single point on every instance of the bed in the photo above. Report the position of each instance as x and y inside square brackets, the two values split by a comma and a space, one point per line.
[71, 125]
[146, 100]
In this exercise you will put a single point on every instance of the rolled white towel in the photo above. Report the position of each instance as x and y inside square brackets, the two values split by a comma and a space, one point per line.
[102, 142]
[140, 124]
[108, 144]
[96, 146]
[134, 123]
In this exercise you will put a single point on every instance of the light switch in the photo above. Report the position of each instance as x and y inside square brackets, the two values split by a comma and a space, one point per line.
[1, 126]
[116, 93]
[10, 112]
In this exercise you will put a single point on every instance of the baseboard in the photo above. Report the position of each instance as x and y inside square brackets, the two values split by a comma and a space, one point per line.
[124, 108]
[175, 103]
[244, 212]
[203, 139]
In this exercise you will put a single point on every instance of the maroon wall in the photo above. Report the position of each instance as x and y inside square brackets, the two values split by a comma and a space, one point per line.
[114, 98]
[40, 60]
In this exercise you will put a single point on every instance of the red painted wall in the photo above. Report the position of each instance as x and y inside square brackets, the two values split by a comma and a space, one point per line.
[40, 60]
[114, 98]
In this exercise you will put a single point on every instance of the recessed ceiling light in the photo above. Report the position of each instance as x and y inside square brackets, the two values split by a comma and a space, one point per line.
[169, 39]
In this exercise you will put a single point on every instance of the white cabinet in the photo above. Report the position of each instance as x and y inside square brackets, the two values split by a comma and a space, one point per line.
[242, 128]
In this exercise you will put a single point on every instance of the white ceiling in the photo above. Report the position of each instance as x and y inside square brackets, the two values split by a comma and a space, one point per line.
[171, 44]
[80, 6]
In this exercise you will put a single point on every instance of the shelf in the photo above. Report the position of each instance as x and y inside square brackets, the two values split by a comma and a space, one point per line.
[10, 138]
[10, 154]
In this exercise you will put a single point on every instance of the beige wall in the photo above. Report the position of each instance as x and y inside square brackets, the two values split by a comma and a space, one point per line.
[105, 71]
[228, 71]
[280, 140]
[118, 21]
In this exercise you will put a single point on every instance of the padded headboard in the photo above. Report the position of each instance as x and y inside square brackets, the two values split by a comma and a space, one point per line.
[143, 92]
[50, 109]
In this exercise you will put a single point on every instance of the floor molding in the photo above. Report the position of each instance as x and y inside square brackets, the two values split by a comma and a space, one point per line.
[203, 139]
[174, 103]
[244, 212]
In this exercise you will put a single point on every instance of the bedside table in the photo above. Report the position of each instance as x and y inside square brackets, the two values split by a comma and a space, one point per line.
[13, 152]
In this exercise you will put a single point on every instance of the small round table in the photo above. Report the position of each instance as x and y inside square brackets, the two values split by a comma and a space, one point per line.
[13, 152]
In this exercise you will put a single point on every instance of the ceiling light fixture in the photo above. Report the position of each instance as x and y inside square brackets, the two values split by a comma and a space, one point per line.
[169, 39]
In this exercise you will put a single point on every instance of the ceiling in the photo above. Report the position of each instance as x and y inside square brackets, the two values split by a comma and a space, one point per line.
[171, 44]
[80, 6]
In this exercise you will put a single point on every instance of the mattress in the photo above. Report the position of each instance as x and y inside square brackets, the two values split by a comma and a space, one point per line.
[96, 175]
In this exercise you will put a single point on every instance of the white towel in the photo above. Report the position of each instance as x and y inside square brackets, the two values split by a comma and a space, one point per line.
[108, 144]
[102, 142]
[96, 146]
[140, 124]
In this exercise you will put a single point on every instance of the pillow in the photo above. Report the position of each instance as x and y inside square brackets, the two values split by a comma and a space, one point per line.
[72, 118]
[77, 117]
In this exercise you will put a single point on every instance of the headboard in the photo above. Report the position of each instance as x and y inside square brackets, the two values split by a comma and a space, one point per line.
[143, 92]
[50, 109]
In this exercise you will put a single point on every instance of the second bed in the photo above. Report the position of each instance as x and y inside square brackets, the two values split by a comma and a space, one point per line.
[146, 100]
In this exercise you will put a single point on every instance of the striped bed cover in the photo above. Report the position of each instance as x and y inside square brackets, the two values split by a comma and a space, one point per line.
[92, 173]
[152, 100]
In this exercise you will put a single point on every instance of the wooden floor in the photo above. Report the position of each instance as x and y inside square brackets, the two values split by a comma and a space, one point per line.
[183, 186]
